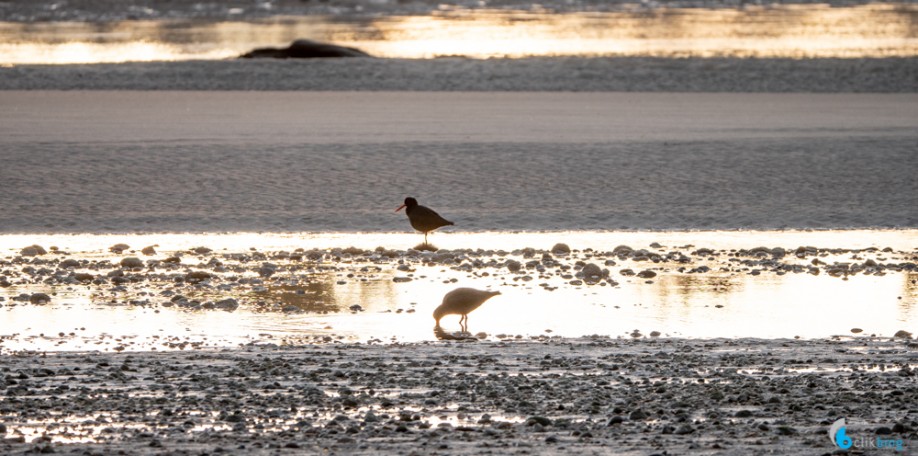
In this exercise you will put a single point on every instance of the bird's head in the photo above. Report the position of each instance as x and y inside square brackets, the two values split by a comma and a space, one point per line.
[438, 314]
[409, 203]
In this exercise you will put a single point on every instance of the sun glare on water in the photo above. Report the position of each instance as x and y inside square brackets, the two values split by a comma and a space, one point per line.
[877, 30]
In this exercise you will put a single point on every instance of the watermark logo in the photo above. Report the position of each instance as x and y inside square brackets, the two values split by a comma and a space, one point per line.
[838, 434]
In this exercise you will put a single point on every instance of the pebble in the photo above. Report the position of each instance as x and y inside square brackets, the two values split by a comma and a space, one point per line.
[561, 249]
[540, 420]
[39, 298]
[118, 248]
[33, 250]
[647, 274]
[131, 263]
[228, 304]
[638, 415]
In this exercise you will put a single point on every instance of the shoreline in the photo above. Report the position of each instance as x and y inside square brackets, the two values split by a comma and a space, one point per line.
[541, 74]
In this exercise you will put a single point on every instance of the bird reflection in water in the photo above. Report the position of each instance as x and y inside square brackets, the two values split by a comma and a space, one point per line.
[441, 334]
[425, 247]
[460, 301]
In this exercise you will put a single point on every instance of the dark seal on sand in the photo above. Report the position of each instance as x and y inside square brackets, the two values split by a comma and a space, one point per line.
[305, 49]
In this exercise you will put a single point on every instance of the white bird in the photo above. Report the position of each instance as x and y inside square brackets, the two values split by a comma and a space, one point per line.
[461, 301]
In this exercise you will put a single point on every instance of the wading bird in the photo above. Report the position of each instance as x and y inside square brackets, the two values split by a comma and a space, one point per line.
[461, 301]
[422, 218]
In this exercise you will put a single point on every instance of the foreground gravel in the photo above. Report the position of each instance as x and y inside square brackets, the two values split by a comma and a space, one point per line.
[537, 396]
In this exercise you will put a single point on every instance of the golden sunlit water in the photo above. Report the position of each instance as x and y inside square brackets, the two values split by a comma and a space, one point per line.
[347, 295]
[873, 30]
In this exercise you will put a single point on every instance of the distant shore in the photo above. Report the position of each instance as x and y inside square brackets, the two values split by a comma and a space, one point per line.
[567, 74]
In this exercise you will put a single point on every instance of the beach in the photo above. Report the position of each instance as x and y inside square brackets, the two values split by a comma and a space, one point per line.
[542, 396]
[701, 219]
[129, 161]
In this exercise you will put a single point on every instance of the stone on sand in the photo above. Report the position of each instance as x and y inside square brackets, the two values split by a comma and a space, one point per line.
[228, 304]
[131, 263]
[118, 248]
[591, 273]
[33, 250]
[561, 249]
[39, 298]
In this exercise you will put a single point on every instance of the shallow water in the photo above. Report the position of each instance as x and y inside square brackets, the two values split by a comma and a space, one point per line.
[797, 31]
[314, 304]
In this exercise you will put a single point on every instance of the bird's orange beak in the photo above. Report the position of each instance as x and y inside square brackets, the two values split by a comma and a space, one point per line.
[400, 208]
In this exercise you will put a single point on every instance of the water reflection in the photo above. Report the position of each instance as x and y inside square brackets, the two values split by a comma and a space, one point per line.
[874, 30]
[372, 295]
[442, 334]
[314, 296]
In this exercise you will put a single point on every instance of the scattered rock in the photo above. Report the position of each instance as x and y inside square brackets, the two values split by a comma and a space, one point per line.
[540, 420]
[591, 273]
[561, 249]
[131, 263]
[39, 298]
[197, 276]
[647, 274]
[33, 250]
[857, 330]
[638, 415]
[902, 334]
[118, 248]
[148, 250]
[228, 304]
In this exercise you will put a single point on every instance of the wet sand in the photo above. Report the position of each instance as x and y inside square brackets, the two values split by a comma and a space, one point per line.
[542, 396]
[221, 161]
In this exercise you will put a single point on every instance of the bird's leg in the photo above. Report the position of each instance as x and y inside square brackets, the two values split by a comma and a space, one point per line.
[463, 323]
[425, 238]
